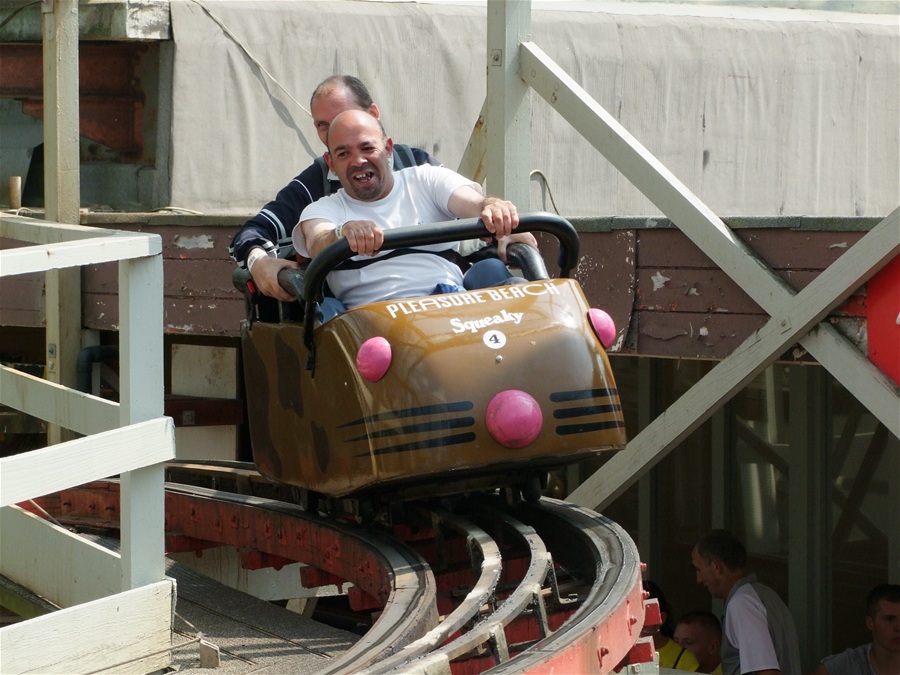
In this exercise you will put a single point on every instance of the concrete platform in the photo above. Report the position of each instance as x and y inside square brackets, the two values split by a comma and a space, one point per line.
[252, 635]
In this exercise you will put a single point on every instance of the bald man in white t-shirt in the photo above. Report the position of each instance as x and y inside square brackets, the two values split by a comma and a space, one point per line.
[374, 198]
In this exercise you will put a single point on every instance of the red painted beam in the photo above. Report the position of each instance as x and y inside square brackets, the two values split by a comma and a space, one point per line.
[883, 316]
[111, 101]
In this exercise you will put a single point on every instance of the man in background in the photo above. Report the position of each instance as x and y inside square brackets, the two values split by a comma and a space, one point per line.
[882, 655]
[263, 245]
[700, 632]
[759, 632]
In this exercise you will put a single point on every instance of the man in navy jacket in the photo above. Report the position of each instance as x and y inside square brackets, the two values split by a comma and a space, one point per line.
[263, 245]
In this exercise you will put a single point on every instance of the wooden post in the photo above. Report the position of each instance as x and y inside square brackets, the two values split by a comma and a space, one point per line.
[508, 107]
[62, 188]
[142, 389]
[15, 192]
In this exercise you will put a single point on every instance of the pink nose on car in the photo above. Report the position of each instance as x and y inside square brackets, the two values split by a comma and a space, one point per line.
[514, 418]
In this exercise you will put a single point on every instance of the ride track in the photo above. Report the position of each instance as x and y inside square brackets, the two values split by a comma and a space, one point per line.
[469, 585]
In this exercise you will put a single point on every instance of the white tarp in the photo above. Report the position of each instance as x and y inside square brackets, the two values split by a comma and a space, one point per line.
[759, 112]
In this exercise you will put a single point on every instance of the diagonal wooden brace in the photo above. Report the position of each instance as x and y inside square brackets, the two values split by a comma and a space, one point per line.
[793, 316]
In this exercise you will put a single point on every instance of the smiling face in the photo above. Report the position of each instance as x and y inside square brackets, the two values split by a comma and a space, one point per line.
[359, 153]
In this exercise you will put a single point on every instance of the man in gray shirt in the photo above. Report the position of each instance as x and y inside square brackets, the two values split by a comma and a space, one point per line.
[882, 655]
[759, 634]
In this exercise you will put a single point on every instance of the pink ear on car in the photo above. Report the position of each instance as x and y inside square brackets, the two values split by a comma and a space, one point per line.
[374, 358]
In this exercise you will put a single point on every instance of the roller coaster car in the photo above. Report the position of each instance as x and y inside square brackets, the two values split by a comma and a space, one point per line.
[439, 394]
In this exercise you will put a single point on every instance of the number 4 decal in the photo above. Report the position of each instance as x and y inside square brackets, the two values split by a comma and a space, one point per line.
[494, 339]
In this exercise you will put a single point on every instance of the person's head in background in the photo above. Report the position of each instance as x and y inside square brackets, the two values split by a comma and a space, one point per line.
[883, 618]
[700, 632]
[336, 94]
[720, 561]
[666, 627]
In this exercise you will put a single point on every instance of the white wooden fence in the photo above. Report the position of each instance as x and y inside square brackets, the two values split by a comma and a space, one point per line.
[117, 607]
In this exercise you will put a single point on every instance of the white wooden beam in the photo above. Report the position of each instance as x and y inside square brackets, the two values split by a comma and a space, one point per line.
[508, 160]
[57, 404]
[62, 182]
[62, 190]
[116, 634]
[41, 258]
[729, 376]
[143, 518]
[141, 392]
[472, 163]
[90, 570]
[40, 472]
[38, 231]
[646, 172]
[855, 372]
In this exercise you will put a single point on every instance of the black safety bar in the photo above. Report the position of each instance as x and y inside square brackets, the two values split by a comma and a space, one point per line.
[313, 278]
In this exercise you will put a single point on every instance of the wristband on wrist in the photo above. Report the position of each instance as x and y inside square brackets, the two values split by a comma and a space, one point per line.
[255, 255]
[339, 230]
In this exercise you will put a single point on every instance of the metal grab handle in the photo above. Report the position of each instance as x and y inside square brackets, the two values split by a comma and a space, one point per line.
[439, 233]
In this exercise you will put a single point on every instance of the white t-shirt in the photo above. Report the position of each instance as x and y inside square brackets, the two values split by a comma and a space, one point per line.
[853, 661]
[747, 628]
[420, 195]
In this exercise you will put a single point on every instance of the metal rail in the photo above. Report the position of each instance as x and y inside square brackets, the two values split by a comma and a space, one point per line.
[491, 628]
[507, 616]
[486, 553]
[383, 568]
[609, 620]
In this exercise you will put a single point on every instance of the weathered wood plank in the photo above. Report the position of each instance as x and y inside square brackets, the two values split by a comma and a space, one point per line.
[26, 318]
[785, 249]
[40, 258]
[187, 277]
[606, 273]
[780, 249]
[22, 292]
[57, 404]
[685, 335]
[91, 571]
[96, 636]
[691, 290]
[180, 242]
[621, 271]
[187, 316]
[40, 472]
[694, 290]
